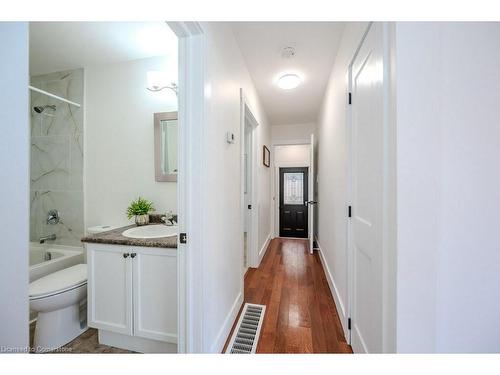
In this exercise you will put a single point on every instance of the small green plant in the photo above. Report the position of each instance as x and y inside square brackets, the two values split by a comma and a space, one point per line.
[139, 207]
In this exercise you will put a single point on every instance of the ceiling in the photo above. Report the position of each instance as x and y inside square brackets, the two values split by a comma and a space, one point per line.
[315, 44]
[56, 46]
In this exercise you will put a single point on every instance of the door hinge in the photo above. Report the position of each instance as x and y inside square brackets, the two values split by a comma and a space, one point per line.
[349, 212]
[182, 237]
[349, 324]
[350, 98]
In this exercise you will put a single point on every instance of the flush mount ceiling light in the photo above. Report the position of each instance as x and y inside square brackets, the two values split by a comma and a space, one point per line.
[289, 81]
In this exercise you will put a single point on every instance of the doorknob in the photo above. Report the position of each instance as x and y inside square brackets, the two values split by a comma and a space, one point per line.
[125, 255]
[133, 255]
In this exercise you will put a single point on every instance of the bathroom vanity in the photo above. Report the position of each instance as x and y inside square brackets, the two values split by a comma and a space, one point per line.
[132, 291]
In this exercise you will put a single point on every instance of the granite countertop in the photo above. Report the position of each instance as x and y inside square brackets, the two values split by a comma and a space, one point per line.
[115, 237]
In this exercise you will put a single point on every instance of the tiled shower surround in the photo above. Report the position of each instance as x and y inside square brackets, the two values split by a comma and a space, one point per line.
[57, 157]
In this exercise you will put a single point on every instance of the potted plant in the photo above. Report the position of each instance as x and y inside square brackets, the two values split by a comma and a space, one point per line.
[140, 209]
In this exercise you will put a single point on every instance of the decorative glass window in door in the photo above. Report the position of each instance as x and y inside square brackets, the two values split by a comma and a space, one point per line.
[293, 188]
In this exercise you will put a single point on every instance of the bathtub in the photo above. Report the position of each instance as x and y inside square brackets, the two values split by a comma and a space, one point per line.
[46, 258]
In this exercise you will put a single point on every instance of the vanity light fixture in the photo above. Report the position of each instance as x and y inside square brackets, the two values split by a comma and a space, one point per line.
[289, 81]
[157, 82]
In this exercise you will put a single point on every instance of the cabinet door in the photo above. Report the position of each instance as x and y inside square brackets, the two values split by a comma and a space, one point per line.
[110, 288]
[155, 294]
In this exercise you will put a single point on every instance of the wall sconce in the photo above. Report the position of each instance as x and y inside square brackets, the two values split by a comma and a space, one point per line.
[157, 81]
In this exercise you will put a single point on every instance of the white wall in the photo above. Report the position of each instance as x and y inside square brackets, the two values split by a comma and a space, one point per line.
[292, 155]
[292, 132]
[419, 174]
[119, 139]
[448, 251]
[332, 169]
[14, 174]
[223, 251]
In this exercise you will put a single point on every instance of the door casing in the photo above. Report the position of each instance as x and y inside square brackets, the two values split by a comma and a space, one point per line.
[312, 192]
[276, 182]
[248, 119]
[190, 197]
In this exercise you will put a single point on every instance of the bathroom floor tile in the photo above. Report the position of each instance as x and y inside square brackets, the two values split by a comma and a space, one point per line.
[85, 343]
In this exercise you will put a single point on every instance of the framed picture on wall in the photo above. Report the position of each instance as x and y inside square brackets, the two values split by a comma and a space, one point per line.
[266, 157]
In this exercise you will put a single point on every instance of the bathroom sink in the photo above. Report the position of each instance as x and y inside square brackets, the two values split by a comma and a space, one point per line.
[151, 231]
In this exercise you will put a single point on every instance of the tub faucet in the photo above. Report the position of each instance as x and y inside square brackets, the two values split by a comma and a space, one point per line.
[50, 237]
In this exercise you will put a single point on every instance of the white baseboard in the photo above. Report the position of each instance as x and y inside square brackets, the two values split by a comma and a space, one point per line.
[263, 249]
[334, 290]
[223, 334]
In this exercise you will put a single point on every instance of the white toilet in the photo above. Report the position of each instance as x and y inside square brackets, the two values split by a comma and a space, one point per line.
[56, 298]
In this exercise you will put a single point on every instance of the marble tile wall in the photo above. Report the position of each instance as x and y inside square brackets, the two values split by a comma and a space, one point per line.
[57, 158]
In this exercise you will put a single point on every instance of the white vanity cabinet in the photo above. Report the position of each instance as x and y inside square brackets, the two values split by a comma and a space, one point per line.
[132, 296]
[109, 288]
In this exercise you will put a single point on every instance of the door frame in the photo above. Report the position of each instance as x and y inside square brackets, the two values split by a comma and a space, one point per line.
[190, 197]
[246, 114]
[311, 205]
[389, 221]
[275, 180]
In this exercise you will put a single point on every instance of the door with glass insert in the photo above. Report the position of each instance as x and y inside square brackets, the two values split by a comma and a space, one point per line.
[293, 202]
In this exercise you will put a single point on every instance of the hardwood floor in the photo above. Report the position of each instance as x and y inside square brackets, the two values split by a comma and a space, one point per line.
[301, 316]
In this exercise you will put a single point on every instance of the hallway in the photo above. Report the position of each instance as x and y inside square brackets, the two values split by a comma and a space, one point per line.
[300, 312]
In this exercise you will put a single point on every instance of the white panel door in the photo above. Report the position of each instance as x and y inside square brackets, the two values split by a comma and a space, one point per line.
[155, 293]
[367, 184]
[109, 288]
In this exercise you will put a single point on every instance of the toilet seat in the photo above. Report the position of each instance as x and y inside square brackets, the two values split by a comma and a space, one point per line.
[58, 282]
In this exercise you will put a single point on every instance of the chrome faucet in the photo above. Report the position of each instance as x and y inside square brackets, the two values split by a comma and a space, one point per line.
[50, 237]
[53, 217]
[168, 218]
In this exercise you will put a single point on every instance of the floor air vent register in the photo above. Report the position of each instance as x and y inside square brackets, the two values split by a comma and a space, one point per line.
[246, 334]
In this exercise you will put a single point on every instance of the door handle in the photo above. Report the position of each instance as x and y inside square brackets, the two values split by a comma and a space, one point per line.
[311, 202]
[125, 255]
[133, 255]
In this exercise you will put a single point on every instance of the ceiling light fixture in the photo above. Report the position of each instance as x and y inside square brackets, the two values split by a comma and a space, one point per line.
[289, 81]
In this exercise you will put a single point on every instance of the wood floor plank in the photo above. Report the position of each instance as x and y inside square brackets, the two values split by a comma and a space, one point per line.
[301, 316]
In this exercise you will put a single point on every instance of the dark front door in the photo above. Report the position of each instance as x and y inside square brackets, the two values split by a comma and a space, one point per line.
[293, 202]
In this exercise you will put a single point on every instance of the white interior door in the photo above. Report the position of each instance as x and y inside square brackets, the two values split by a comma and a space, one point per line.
[366, 193]
[311, 195]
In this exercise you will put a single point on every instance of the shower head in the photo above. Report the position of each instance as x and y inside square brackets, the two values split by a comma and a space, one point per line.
[40, 109]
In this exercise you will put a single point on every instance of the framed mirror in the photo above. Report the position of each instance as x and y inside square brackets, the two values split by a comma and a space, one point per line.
[165, 124]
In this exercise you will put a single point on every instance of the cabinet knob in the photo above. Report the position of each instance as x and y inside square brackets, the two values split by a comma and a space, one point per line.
[125, 255]
[133, 255]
